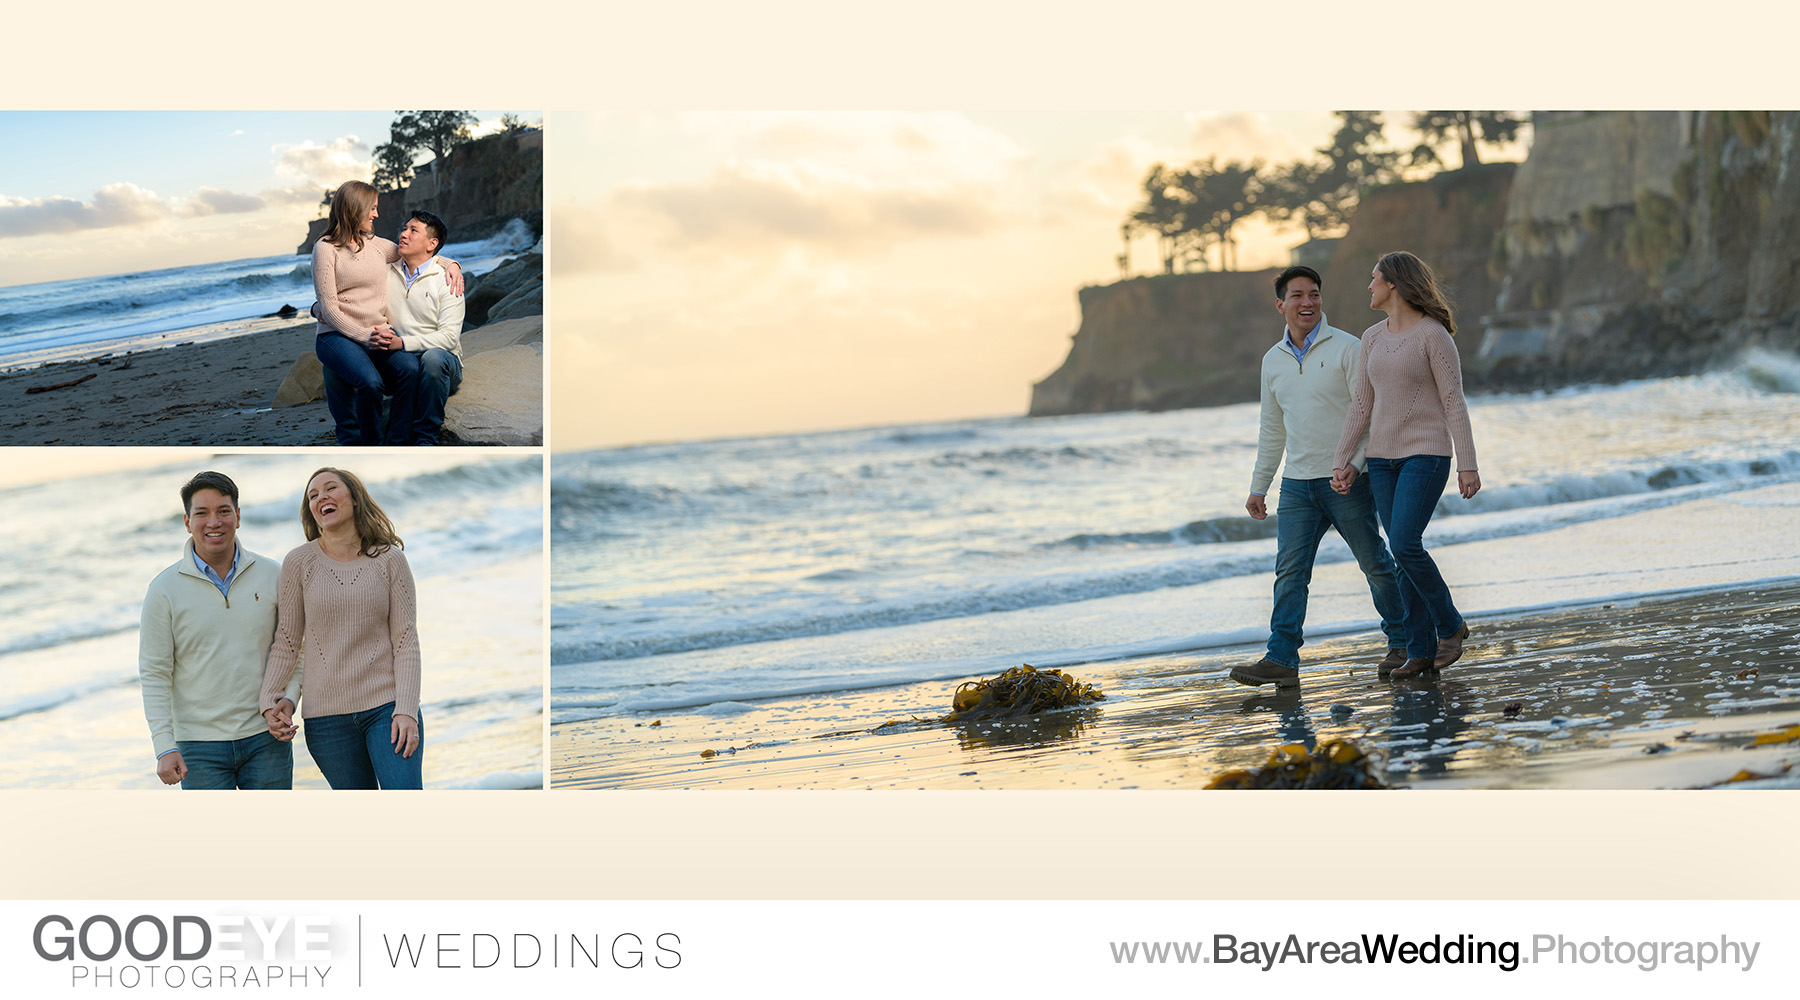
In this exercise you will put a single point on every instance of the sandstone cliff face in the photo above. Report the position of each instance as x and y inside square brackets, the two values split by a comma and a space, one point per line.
[1627, 245]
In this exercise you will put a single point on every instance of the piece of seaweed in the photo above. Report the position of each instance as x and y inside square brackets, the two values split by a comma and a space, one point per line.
[1016, 691]
[1337, 764]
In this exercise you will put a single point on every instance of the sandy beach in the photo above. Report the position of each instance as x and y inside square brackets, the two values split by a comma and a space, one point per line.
[1665, 692]
[212, 386]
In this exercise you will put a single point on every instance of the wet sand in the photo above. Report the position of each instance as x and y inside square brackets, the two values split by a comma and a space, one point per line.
[215, 388]
[1665, 692]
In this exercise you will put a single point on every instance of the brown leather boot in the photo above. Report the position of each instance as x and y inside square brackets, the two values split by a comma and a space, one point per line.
[1266, 671]
[1415, 669]
[1450, 647]
[1393, 659]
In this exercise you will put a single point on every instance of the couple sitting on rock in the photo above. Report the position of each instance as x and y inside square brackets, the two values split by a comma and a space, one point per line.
[390, 322]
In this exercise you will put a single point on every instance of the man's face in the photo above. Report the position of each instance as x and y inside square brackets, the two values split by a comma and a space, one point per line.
[1301, 306]
[213, 521]
[416, 239]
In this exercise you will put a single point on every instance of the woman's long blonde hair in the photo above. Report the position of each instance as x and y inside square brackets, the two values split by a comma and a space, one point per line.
[1418, 286]
[374, 532]
[350, 206]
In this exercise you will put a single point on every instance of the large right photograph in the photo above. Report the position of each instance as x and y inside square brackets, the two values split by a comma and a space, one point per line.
[1157, 450]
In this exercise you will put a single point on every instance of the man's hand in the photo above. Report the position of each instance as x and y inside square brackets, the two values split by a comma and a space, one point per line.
[170, 767]
[1257, 508]
[404, 735]
[1342, 478]
[385, 338]
[281, 720]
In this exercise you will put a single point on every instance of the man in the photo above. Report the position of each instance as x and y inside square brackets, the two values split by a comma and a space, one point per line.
[1307, 380]
[207, 625]
[421, 346]
[427, 323]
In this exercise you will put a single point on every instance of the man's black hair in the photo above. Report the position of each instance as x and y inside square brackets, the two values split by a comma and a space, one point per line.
[208, 481]
[1297, 271]
[439, 231]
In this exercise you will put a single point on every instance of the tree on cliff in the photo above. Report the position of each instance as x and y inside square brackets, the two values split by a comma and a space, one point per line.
[412, 133]
[1163, 212]
[1353, 162]
[1218, 198]
[393, 167]
[1468, 128]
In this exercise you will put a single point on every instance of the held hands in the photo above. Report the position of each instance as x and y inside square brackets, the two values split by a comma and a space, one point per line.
[281, 720]
[405, 735]
[1257, 507]
[1342, 478]
[170, 767]
[1468, 483]
[386, 338]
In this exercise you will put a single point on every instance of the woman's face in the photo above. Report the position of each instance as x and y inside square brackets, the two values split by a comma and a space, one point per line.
[329, 500]
[368, 225]
[1381, 291]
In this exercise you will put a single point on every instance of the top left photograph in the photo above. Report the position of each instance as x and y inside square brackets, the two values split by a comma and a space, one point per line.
[261, 278]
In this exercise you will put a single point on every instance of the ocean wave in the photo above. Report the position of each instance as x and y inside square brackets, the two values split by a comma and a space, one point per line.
[1770, 371]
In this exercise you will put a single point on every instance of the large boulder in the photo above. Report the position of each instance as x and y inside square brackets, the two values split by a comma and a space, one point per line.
[506, 333]
[526, 300]
[487, 290]
[305, 382]
[501, 401]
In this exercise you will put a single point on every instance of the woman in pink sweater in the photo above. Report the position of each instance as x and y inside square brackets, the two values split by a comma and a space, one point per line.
[1410, 401]
[350, 278]
[346, 599]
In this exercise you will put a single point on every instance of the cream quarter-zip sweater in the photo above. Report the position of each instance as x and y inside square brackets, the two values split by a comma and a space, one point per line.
[427, 315]
[1303, 407]
[201, 653]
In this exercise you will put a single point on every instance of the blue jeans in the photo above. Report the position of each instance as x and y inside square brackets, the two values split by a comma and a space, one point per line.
[355, 750]
[256, 761]
[355, 380]
[1308, 507]
[438, 374]
[1406, 492]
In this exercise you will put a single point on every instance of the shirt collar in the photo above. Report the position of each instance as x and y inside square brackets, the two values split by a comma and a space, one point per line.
[237, 552]
[1318, 331]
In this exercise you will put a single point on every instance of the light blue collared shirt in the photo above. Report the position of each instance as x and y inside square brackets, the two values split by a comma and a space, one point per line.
[408, 275]
[207, 571]
[1305, 345]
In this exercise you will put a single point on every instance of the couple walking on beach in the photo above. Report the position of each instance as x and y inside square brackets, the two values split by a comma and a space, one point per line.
[1393, 403]
[224, 631]
[390, 322]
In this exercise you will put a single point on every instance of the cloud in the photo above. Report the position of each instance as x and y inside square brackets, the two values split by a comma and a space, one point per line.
[324, 166]
[584, 242]
[1243, 135]
[114, 205]
[748, 204]
[213, 201]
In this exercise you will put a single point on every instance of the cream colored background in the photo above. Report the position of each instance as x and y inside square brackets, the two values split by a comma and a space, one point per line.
[932, 54]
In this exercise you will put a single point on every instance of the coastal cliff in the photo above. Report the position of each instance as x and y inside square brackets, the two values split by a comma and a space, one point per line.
[486, 183]
[1626, 245]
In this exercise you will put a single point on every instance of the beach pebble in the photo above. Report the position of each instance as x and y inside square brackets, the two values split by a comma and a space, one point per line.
[1342, 711]
[1555, 720]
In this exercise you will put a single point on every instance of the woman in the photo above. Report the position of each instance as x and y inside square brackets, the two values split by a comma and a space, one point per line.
[1410, 401]
[347, 597]
[350, 278]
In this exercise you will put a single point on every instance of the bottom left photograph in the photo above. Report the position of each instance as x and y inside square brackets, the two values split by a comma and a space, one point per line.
[319, 620]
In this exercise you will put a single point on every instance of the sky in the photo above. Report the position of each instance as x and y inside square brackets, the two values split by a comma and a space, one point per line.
[88, 193]
[741, 273]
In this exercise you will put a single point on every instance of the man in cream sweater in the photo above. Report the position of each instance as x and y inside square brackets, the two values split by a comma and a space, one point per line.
[1307, 380]
[426, 323]
[204, 637]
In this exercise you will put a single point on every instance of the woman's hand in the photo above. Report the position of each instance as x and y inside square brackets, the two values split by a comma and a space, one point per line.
[1342, 478]
[405, 735]
[453, 274]
[1468, 482]
[281, 720]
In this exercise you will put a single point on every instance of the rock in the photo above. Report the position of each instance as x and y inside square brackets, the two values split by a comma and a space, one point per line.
[501, 401]
[492, 287]
[506, 333]
[527, 300]
[305, 382]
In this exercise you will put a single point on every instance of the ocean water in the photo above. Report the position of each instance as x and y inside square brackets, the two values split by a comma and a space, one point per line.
[82, 551]
[701, 576]
[57, 315]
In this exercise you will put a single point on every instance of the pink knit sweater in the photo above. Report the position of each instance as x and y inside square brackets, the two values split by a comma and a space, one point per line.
[352, 286]
[1409, 397]
[356, 622]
